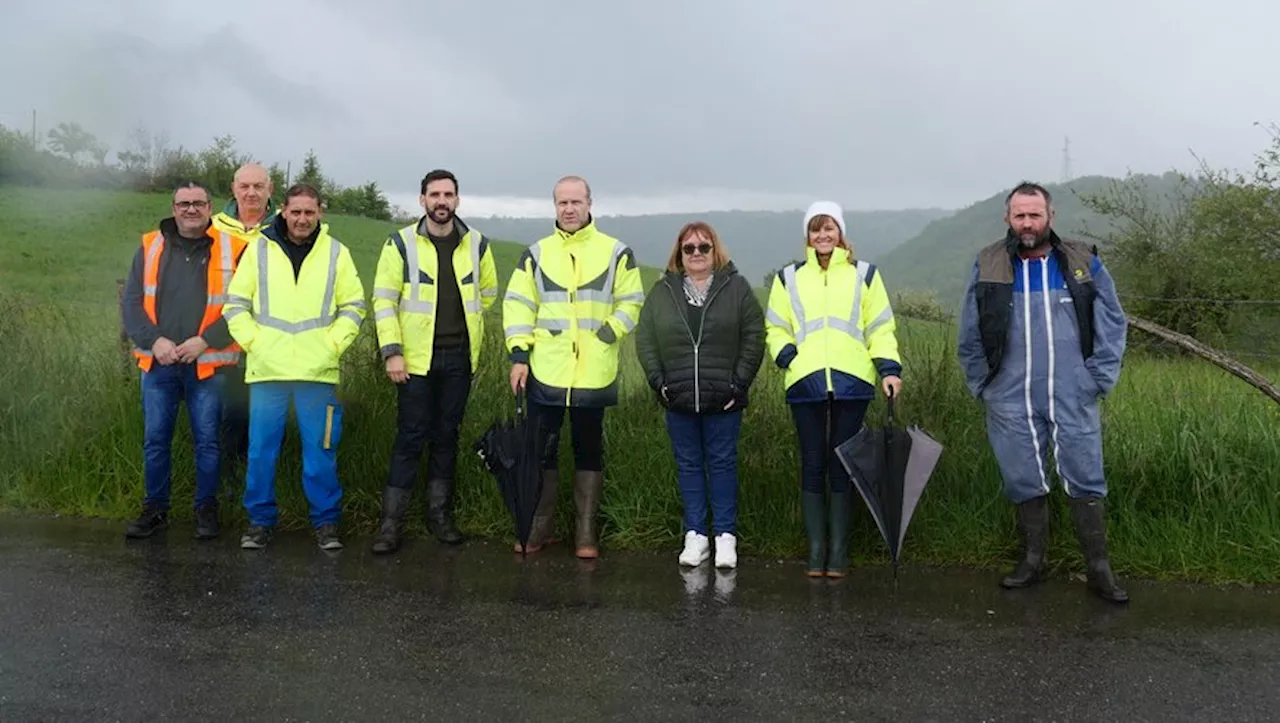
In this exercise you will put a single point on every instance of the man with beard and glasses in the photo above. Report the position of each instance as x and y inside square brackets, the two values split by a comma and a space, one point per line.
[1042, 337]
[434, 281]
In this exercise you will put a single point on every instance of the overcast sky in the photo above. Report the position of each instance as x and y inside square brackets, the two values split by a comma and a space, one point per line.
[664, 104]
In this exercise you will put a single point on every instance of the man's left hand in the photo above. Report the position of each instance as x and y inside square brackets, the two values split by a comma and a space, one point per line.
[892, 386]
[190, 349]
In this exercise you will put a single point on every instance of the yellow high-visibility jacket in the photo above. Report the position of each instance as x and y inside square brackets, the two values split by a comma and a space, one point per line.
[404, 293]
[832, 330]
[294, 330]
[228, 219]
[570, 301]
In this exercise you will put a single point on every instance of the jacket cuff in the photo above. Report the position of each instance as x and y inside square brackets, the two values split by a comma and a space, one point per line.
[888, 368]
[519, 356]
[785, 356]
[391, 350]
[606, 334]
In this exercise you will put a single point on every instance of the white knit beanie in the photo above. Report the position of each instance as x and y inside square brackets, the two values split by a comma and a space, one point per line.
[824, 208]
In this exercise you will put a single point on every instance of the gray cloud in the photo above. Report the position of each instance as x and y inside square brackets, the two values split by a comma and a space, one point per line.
[915, 104]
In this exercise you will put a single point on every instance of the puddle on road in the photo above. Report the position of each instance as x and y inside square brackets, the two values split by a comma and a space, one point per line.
[488, 572]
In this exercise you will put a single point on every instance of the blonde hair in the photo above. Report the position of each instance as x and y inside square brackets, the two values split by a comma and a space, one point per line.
[817, 222]
[719, 255]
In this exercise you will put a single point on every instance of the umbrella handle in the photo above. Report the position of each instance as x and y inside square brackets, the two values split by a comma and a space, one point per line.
[891, 414]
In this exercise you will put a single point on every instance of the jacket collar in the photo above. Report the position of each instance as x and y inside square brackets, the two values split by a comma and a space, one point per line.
[463, 229]
[169, 228]
[278, 231]
[232, 210]
[1014, 246]
[839, 257]
[581, 235]
[675, 279]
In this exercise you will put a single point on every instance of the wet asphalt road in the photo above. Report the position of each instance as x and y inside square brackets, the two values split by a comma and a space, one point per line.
[97, 628]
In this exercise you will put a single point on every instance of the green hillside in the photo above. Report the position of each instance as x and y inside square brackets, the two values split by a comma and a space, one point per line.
[36, 253]
[940, 258]
[758, 241]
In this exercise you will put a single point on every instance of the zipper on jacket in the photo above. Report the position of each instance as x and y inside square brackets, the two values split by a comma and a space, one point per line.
[697, 391]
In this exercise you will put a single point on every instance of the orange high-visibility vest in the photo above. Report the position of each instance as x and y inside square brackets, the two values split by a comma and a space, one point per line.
[223, 256]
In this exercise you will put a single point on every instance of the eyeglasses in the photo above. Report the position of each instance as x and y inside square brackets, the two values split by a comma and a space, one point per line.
[184, 205]
[702, 248]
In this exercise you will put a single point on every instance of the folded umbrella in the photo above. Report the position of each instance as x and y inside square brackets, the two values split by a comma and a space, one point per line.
[890, 468]
[512, 451]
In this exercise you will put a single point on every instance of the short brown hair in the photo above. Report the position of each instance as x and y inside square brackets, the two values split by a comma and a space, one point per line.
[719, 255]
[303, 189]
[818, 222]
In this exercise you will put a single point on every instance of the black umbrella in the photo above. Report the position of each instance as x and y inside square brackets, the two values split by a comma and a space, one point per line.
[512, 450]
[890, 468]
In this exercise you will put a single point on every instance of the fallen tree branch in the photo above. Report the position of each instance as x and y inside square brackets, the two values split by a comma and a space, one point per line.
[1259, 382]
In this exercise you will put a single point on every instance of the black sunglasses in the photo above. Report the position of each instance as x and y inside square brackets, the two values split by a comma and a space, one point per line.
[702, 248]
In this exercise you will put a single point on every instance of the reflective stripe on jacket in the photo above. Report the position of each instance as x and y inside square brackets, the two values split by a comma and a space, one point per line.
[224, 252]
[404, 293]
[570, 301]
[295, 330]
[832, 329]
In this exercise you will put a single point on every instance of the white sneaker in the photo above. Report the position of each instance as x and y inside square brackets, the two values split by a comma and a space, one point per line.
[697, 548]
[726, 551]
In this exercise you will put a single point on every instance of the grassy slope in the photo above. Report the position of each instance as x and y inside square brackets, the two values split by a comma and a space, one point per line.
[1192, 454]
[941, 257]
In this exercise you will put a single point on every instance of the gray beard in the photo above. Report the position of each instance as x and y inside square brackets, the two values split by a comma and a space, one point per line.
[1035, 241]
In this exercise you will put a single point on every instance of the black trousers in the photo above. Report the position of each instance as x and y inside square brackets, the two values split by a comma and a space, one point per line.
[235, 414]
[429, 414]
[821, 427]
[586, 424]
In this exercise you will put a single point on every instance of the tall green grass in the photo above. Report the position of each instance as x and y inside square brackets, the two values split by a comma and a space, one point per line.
[1192, 454]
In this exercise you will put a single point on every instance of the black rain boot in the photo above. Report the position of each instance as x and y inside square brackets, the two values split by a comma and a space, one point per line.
[838, 555]
[814, 506]
[1088, 515]
[544, 516]
[394, 501]
[587, 487]
[440, 511]
[1033, 522]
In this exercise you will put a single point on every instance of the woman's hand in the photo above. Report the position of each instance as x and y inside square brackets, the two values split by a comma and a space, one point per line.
[892, 386]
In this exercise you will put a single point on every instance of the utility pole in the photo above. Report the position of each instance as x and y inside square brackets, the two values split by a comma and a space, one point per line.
[33, 129]
[1066, 159]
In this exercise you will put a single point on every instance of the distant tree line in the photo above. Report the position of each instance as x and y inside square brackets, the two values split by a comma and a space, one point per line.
[69, 156]
[1203, 259]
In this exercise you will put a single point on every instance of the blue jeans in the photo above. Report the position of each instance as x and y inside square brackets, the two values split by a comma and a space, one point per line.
[163, 389]
[319, 417]
[706, 451]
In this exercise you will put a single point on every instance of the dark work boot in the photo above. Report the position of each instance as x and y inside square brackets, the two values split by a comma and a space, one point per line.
[1088, 515]
[152, 520]
[207, 526]
[544, 516]
[587, 487]
[838, 555]
[394, 501]
[440, 511]
[1033, 522]
[814, 506]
